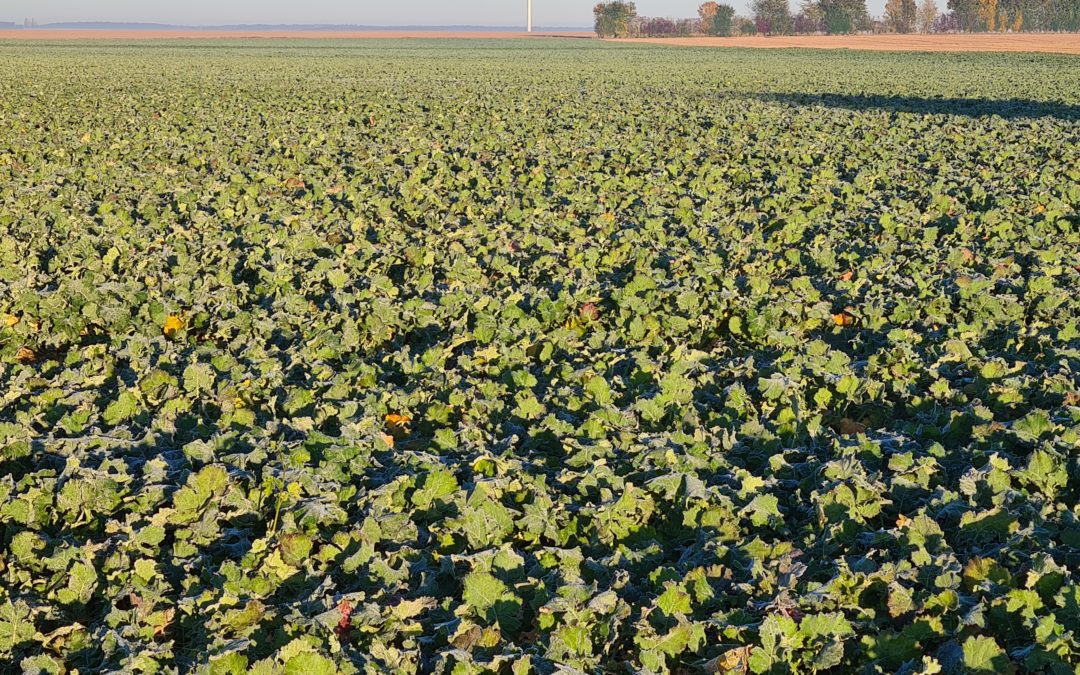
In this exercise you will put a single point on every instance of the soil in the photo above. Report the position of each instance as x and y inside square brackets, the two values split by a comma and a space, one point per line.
[1057, 43]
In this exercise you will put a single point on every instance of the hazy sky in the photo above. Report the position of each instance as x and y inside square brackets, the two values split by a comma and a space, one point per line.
[370, 12]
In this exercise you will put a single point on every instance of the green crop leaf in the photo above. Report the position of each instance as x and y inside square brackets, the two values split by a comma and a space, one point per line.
[82, 580]
[16, 626]
[295, 334]
[435, 486]
[1033, 425]
[983, 655]
[492, 600]
[684, 637]
[1046, 472]
[198, 378]
[121, 410]
[598, 389]
[310, 663]
[825, 625]
[576, 640]
[674, 601]
[486, 521]
[482, 591]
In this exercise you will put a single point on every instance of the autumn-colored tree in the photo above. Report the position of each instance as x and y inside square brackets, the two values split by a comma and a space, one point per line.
[707, 13]
[928, 13]
[1018, 21]
[900, 15]
[988, 13]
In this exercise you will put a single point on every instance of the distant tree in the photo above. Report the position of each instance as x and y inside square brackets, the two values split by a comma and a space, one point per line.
[988, 14]
[1018, 21]
[723, 22]
[742, 25]
[707, 13]
[966, 13]
[614, 19]
[811, 18]
[946, 23]
[716, 19]
[928, 13]
[845, 16]
[772, 16]
[900, 15]
[1011, 14]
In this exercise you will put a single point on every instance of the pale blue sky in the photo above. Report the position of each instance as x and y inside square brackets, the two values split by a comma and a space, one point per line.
[370, 12]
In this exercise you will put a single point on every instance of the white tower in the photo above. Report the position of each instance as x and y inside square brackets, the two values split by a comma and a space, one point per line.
[528, 24]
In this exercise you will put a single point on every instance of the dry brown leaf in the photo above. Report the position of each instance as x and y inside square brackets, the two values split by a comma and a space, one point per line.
[732, 662]
[849, 427]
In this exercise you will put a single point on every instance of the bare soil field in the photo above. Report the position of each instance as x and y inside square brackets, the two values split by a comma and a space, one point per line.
[1058, 43]
[84, 34]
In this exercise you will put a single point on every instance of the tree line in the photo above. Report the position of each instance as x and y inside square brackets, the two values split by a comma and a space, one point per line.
[775, 17]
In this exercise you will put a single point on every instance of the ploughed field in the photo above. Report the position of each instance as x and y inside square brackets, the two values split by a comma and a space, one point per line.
[513, 356]
[1057, 43]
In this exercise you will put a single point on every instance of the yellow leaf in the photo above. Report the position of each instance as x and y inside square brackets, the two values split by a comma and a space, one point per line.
[388, 439]
[903, 521]
[10, 319]
[25, 355]
[173, 325]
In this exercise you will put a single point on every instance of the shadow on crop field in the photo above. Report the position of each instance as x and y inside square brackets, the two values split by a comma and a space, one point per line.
[970, 107]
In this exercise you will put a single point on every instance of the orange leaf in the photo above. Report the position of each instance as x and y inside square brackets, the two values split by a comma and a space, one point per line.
[903, 521]
[843, 319]
[397, 425]
[25, 355]
[847, 276]
[166, 621]
[295, 183]
[388, 439]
